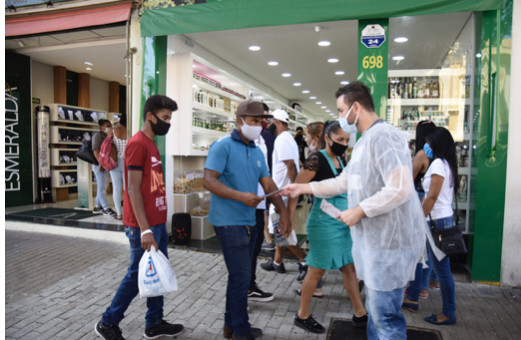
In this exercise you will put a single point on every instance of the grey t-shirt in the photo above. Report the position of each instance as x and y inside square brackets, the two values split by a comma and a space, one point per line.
[97, 139]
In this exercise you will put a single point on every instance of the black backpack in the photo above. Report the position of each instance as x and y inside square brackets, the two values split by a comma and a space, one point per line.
[181, 228]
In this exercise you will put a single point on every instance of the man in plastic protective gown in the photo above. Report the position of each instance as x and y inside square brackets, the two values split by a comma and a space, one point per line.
[386, 219]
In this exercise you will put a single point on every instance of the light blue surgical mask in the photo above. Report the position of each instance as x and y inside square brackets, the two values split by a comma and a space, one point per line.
[349, 128]
[428, 151]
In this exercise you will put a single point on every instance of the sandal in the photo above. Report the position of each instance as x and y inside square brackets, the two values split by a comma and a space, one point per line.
[318, 296]
[119, 218]
[434, 320]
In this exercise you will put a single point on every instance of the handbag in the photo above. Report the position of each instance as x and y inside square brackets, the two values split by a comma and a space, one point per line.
[85, 153]
[450, 240]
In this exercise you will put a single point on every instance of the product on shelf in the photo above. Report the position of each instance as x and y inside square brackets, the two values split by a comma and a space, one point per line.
[198, 211]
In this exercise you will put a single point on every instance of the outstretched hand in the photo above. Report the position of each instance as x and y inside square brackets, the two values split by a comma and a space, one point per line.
[291, 190]
[351, 217]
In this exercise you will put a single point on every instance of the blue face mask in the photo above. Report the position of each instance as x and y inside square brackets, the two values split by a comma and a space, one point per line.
[349, 128]
[428, 151]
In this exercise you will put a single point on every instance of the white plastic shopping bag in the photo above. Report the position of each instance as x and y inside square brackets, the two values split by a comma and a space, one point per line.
[156, 276]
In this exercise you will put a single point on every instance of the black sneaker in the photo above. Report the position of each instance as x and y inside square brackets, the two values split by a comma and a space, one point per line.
[309, 324]
[268, 246]
[270, 266]
[163, 329]
[254, 333]
[302, 271]
[109, 212]
[360, 322]
[258, 295]
[97, 210]
[112, 332]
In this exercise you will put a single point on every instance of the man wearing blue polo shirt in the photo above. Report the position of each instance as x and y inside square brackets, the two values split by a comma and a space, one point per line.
[233, 169]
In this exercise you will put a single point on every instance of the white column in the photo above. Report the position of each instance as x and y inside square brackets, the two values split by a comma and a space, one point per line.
[510, 260]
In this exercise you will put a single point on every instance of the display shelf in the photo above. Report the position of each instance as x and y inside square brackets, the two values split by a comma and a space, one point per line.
[217, 91]
[201, 228]
[212, 110]
[208, 132]
[428, 101]
[63, 157]
[70, 134]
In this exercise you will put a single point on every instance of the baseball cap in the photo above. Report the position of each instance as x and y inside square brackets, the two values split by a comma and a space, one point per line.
[251, 108]
[281, 115]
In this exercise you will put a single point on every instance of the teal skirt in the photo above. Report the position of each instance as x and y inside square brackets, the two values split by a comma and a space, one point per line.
[329, 239]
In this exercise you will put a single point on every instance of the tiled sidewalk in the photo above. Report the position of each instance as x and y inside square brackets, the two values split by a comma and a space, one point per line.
[57, 287]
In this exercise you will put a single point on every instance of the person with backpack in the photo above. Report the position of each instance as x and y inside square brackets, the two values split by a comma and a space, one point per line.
[101, 205]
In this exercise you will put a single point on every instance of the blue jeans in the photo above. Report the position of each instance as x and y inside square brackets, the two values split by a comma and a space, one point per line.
[118, 183]
[421, 280]
[128, 289]
[386, 320]
[442, 269]
[257, 236]
[101, 187]
[237, 251]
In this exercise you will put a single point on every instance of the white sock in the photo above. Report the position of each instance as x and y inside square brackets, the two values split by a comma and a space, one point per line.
[303, 263]
[275, 263]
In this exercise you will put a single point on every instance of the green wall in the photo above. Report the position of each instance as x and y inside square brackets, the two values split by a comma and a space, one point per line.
[491, 140]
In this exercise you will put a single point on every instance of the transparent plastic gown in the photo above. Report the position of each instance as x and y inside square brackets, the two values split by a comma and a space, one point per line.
[390, 240]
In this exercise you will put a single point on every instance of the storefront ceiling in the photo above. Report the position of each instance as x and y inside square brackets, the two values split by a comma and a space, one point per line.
[294, 47]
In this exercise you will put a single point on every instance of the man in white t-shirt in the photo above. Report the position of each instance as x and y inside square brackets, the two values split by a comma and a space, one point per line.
[285, 169]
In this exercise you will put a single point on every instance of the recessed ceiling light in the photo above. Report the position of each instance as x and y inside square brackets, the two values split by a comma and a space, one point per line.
[333, 60]
[398, 57]
[88, 63]
[478, 55]
[318, 103]
[254, 48]
[313, 97]
[286, 75]
[344, 82]
[328, 110]
[324, 43]
[339, 73]
[323, 107]
[297, 84]
[89, 69]
[401, 39]
[273, 63]
[305, 91]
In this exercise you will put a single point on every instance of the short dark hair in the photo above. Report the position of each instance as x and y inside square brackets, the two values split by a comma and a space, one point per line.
[356, 92]
[299, 128]
[158, 102]
[266, 108]
[102, 122]
[123, 119]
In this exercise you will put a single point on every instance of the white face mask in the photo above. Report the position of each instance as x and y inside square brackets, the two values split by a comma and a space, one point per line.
[107, 130]
[250, 132]
[344, 124]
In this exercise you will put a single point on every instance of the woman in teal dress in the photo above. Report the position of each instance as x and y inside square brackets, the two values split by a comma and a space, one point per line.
[329, 239]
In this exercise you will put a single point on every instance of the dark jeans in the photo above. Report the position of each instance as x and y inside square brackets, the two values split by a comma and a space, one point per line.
[128, 289]
[237, 252]
[257, 236]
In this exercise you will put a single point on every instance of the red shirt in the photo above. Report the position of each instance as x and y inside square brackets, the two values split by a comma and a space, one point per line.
[141, 154]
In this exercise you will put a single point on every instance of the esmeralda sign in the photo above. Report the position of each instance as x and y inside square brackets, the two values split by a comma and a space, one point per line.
[17, 142]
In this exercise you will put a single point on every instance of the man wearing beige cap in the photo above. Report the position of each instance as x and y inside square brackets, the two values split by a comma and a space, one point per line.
[233, 169]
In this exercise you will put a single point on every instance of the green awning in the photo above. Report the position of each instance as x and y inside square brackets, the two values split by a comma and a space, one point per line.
[237, 14]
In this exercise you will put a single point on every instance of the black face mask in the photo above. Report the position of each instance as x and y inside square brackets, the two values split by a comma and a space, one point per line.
[272, 128]
[160, 128]
[338, 149]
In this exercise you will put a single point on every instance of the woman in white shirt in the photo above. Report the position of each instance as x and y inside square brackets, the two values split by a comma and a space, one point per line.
[439, 183]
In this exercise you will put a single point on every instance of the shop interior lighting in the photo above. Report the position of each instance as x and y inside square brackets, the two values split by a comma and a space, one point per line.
[324, 43]
[398, 57]
[297, 84]
[328, 111]
[305, 91]
[318, 103]
[401, 40]
[340, 73]
[313, 97]
[344, 82]
[273, 63]
[323, 107]
[333, 60]
[21, 43]
[286, 75]
[478, 55]
[254, 48]
[89, 69]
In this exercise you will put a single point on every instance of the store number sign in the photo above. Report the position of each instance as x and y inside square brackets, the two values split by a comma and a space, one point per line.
[373, 36]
